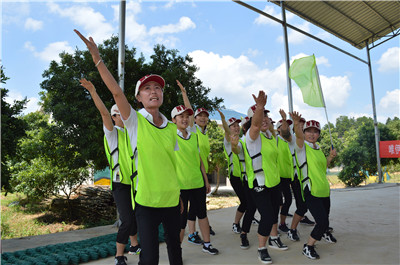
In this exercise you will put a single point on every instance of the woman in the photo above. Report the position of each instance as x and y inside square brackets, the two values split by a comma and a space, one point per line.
[232, 149]
[155, 139]
[261, 164]
[119, 155]
[312, 166]
[192, 178]
[201, 120]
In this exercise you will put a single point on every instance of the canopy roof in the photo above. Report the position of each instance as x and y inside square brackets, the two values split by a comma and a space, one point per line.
[355, 22]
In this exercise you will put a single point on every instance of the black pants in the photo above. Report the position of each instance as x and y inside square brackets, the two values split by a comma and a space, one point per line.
[319, 208]
[197, 199]
[122, 197]
[237, 186]
[148, 220]
[267, 202]
[251, 208]
[301, 207]
[287, 195]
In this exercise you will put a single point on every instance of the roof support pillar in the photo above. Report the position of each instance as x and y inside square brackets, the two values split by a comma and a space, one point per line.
[285, 38]
[378, 158]
[121, 45]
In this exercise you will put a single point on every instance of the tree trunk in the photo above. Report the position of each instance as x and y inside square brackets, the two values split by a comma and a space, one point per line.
[216, 187]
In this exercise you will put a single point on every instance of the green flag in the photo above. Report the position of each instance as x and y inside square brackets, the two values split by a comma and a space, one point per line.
[305, 73]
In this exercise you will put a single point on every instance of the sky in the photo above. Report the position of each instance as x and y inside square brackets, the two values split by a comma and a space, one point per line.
[237, 51]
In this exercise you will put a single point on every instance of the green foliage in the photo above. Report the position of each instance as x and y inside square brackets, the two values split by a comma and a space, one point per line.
[324, 142]
[46, 165]
[358, 156]
[12, 129]
[75, 113]
[217, 160]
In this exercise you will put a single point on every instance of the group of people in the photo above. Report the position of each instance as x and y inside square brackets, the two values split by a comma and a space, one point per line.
[158, 171]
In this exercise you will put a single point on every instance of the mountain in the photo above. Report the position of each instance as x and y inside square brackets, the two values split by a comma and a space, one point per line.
[229, 113]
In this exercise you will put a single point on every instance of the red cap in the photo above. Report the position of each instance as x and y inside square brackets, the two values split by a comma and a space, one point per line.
[147, 78]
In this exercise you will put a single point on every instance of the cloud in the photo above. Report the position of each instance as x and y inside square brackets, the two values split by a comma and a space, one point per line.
[31, 106]
[270, 10]
[32, 24]
[87, 20]
[51, 51]
[390, 102]
[184, 23]
[14, 12]
[295, 37]
[390, 60]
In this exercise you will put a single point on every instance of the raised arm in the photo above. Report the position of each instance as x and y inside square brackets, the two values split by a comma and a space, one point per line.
[235, 144]
[285, 130]
[297, 130]
[258, 116]
[226, 127]
[112, 85]
[331, 156]
[186, 102]
[105, 115]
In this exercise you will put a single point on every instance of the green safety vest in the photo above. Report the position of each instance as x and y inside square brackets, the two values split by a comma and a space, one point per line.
[156, 165]
[204, 145]
[126, 162]
[188, 163]
[269, 154]
[234, 164]
[285, 160]
[316, 172]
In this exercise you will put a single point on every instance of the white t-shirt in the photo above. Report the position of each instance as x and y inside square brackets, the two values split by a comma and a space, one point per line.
[254, 147]
[228, 148]
[301, 157]
[112, 140]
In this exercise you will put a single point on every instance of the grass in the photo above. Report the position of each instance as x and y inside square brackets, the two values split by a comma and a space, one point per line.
[20, 220]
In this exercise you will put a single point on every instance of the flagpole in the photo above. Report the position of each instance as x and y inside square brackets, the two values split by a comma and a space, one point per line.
[323, 100]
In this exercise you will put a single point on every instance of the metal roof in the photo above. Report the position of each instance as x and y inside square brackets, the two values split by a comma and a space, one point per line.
[356, 22]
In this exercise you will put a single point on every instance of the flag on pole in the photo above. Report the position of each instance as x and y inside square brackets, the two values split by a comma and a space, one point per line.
[305, 73]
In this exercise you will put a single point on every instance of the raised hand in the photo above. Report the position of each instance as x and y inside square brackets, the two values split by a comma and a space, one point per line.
[183, 90]
[235, 140]
[92, 47]
[88, 85]
[261, 99]
[283, 114]
[221, 114]
[296, 116]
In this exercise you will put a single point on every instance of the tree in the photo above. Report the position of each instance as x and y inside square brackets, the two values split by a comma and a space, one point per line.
[74, 111]
[12, 129]
[217, 160]
[44, 165]
[359, 154]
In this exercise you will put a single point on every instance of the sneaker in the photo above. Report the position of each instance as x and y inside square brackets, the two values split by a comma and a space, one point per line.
[283, 227]
[276, 243]
[263, 256]
[210, 249]
[235, 228]
[306, 221]
[329, 237]
[120, 260]
[310, 252]
[134, 250]
[212, 231]
[330, 229]
[245, 242]
[195, 238]
[255, 221]
[292, 235]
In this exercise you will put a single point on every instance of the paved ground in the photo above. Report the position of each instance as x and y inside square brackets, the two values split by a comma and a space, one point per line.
[365, 221]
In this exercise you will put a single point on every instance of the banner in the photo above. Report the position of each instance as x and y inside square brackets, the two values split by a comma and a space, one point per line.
[389, 149]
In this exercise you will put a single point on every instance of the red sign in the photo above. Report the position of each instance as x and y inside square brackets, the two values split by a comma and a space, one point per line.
[389, 149]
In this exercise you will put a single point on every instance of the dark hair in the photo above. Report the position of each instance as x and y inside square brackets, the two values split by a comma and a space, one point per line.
[246, 126]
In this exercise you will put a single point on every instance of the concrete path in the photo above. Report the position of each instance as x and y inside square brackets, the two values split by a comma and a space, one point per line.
[365, 221]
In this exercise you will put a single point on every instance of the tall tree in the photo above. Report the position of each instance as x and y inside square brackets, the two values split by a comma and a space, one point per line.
[75, 112]
[12, 129]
